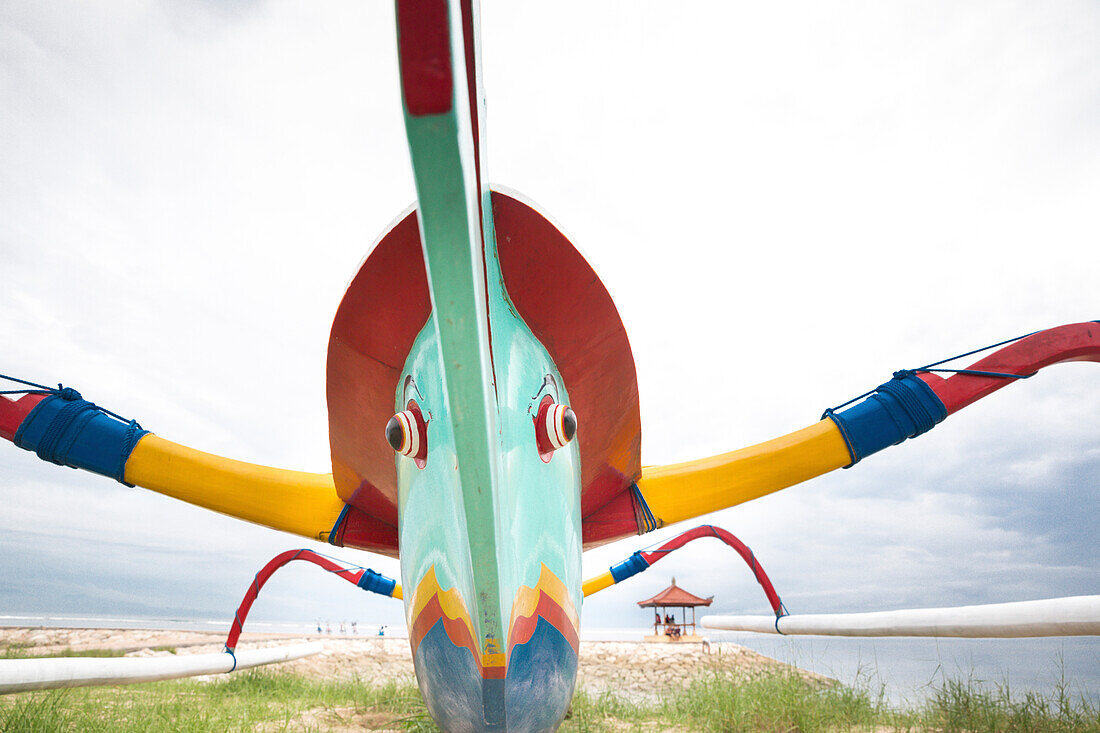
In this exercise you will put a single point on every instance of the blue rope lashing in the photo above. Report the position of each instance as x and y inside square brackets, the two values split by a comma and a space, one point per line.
[928, 367]
[643, 514]
[38, 388]
[902, 408]
[629, 567]
[377, 583]
[979, 373]
[333, 533]
[67, 430]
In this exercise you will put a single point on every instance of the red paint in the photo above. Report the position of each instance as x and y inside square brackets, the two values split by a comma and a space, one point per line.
[542, 439]
[549, 611]
[348, 574]
[707, 530]
[457, 631]
[618, 518]
[470, 47]
[469, 43]
[674, 595]
[365, 532]
[424, 55]
[567, 308]
[12, 413]
[1074, 342]
[384, 308]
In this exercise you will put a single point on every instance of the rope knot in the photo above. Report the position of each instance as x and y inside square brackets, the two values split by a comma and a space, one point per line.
[68, 394]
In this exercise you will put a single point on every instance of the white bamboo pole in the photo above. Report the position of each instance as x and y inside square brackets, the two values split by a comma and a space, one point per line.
[1073, 616]
[20, 675]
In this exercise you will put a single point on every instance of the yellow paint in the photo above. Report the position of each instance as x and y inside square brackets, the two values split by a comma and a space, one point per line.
[450, 601]
[397, 592]
[595, 585]
[292, 501]
[685, 490]
[527, 598]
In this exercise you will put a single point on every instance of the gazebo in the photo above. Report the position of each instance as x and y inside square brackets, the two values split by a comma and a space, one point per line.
[674, 597]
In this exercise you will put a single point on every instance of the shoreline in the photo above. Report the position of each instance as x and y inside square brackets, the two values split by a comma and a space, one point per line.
[631, 669]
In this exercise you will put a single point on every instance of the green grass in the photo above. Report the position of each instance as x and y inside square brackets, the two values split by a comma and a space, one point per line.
[967, 706]
[778, 702]
[241, 703]
[20, 651]
[775, 703]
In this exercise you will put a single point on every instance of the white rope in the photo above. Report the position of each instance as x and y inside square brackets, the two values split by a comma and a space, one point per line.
[1073, 616]
[20, 675]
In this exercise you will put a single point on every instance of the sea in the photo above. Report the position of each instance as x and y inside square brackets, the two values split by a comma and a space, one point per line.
[902, 672]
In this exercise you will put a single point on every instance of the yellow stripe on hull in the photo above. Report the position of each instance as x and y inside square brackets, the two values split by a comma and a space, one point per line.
[527, 598]
[302, 503]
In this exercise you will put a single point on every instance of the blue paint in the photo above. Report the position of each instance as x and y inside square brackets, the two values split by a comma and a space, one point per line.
[534, 696]
[540, 681]
[902, 408]
[70, 431]
[376, 582]
[336, 527]
[629, 567]
[451, 683]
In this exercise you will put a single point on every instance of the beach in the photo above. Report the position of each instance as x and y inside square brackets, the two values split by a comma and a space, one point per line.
[629, 669]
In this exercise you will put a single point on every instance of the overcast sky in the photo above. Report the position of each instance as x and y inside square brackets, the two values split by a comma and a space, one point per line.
[788, 201]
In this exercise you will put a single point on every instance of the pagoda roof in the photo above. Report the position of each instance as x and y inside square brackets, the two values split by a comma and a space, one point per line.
[674, 595]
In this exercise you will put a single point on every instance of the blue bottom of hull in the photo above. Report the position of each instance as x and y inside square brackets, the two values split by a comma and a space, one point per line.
[533, 697]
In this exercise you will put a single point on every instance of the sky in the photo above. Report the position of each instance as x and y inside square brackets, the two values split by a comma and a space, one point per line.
[787, 201]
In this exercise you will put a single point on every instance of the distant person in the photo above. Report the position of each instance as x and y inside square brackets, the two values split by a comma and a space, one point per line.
[343, 628]
[381, 630]
[353, 629]
[318, 626]
[328, 627]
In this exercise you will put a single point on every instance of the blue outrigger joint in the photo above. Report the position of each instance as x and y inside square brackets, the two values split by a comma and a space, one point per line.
[377, 583]
[902, 408]
[68, 430]
[629, 567]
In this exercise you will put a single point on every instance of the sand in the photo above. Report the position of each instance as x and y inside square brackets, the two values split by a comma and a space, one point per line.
[630, 669]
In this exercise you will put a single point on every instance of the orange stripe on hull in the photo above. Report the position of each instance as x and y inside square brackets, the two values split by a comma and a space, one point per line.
[432, 604]
[550, 600]
[548, 610]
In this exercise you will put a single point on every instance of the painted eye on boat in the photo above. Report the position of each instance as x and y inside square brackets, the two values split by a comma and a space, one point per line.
[407, 433]
[555, 426]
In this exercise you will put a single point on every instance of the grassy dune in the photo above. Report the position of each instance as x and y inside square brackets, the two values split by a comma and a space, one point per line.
[774, 702]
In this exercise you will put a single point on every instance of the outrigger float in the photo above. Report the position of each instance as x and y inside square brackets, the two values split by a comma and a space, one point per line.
[484, 423]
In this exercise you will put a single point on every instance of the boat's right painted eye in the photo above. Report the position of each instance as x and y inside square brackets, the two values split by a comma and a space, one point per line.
[555, 425]
[407, 434]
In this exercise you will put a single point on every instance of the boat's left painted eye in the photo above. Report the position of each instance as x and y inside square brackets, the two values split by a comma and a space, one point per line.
[407, 433]
[555, 426]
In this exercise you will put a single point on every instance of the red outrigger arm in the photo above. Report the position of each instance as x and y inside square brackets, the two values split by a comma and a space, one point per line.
[1022, 358]
[644, 559]
[13, 412]
[365, 578]
[916, 400]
